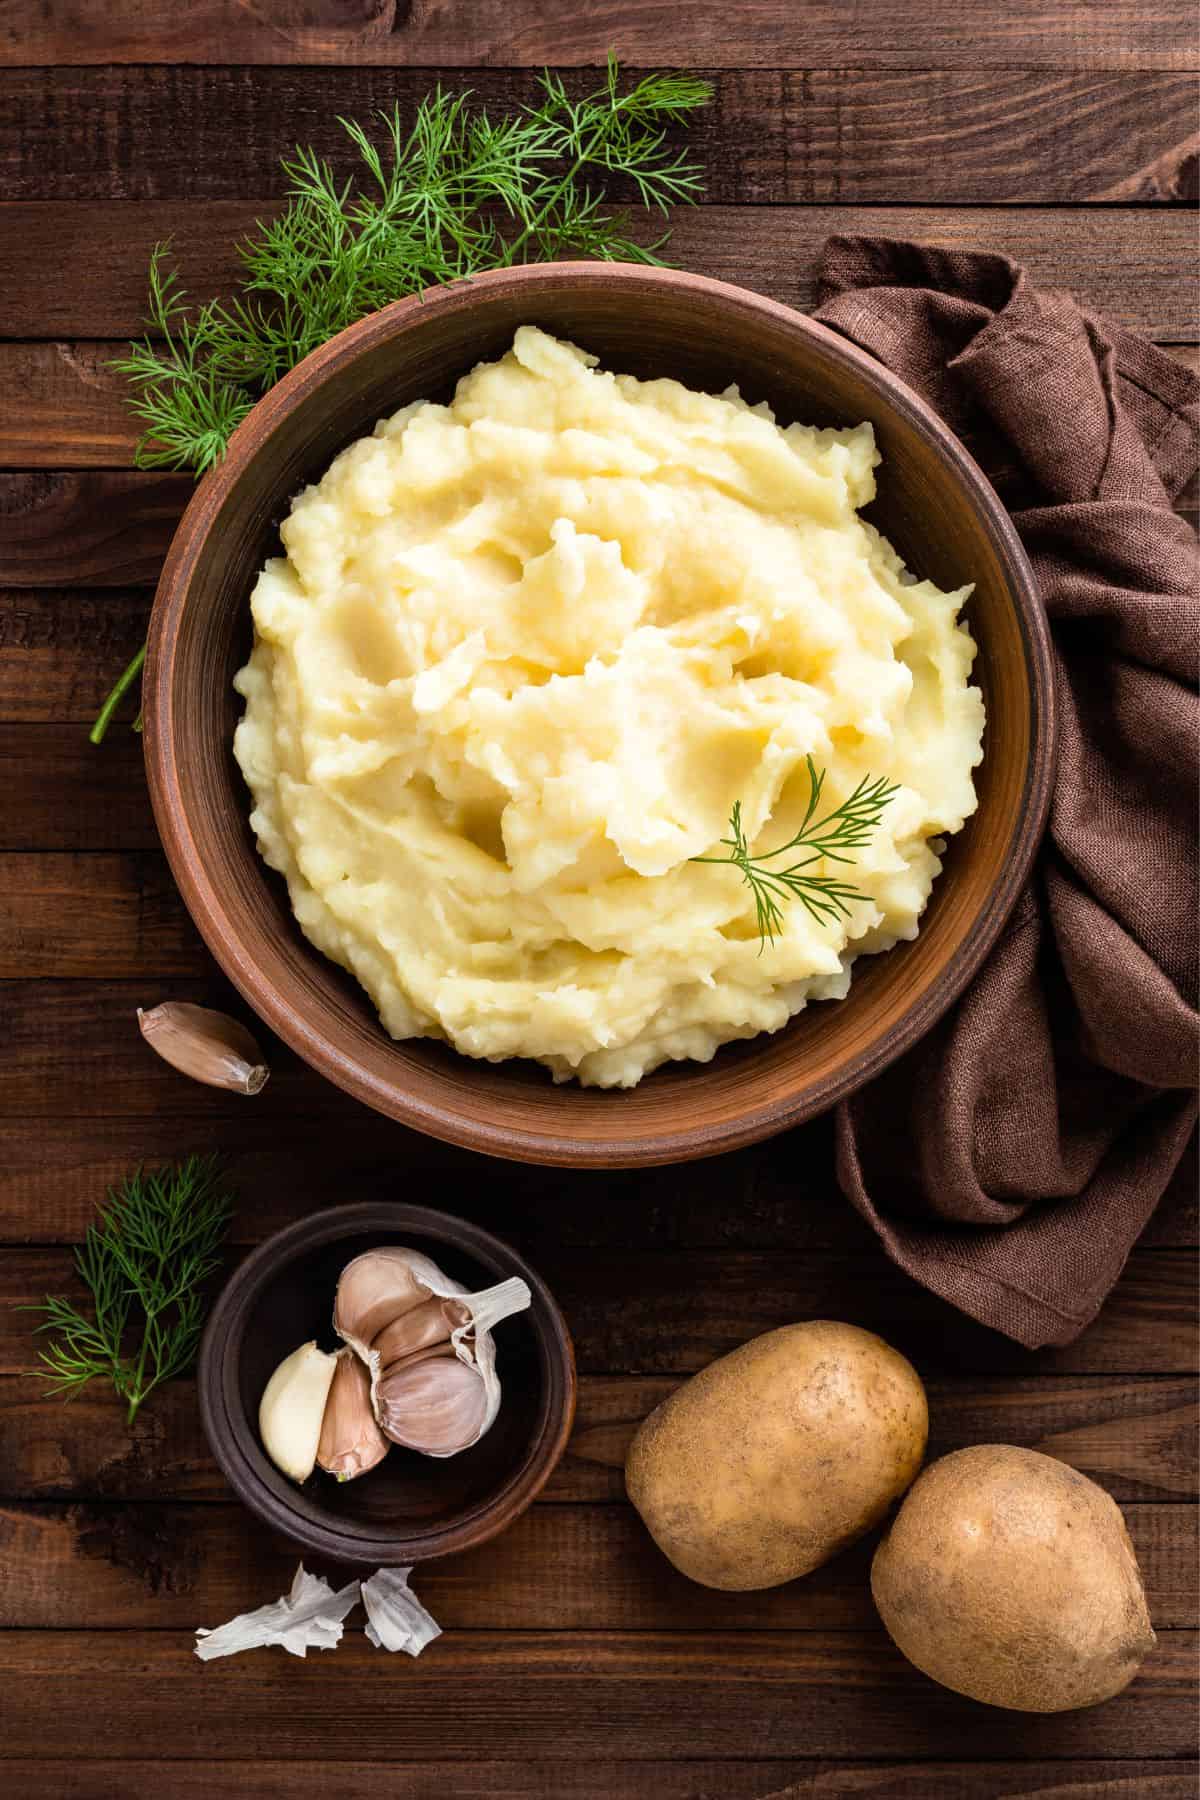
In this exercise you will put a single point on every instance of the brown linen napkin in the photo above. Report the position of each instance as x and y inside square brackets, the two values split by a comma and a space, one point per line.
[1011, 1159]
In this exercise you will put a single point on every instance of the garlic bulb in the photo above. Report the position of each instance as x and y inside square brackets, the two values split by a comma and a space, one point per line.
[292, 1409]
[437, 1405]
[428, 1346]
[351, 1442]
[209, 1046]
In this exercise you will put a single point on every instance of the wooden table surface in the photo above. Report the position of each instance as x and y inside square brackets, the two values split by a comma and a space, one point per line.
[575, 1662]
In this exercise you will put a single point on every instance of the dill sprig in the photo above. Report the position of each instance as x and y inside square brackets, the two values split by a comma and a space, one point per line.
[824, 897]
[454, 194]
[144, 1263]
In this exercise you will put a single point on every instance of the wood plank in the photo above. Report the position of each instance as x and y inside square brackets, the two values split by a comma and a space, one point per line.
[968, 34]
[647, 1696]
[51, 1179]
[63, 793]
[680, 1309]
[74, 915]
[148, 1566]
[72, 269]
[60, 408]
[52, 1779]
[61, 648]
[780, 1193]
[87, 530]
[848, 136]
[1136, 1437]
[63, 407]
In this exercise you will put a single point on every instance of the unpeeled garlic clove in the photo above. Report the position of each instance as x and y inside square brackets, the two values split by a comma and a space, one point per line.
[351, 1441]
[372, 1291]
[437, 1405]
[292, 1409]
[209, 1046]
[430, 1323]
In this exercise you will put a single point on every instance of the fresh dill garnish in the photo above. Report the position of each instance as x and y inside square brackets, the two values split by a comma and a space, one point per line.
[825, 897]
[144, 1263]
[454, 194]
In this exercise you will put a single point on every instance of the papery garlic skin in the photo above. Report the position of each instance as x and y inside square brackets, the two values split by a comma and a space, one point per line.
[292, 1410]
[309, 1617]
[351, 1441]
[209, 1046]
[373, 1290]
[417, 1331]
[396, 1620]
[386, 1310]
[436, 1405]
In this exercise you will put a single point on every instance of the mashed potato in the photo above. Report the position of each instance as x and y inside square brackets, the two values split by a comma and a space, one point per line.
[523, 654]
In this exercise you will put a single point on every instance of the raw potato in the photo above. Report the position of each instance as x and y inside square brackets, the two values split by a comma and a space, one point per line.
[1010, 1577]
[777, 1456]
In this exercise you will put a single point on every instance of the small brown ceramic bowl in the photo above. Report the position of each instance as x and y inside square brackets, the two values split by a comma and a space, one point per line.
[933, 503]
[409, 1508]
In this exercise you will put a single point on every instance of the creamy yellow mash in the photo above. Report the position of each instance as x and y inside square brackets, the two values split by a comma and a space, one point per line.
[521, 657]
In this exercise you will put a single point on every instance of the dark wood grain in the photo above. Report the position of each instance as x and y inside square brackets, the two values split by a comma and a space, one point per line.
[781, 1194]
[70, 269]
[679, 1310]
[121, 1565]
[53, 1183]
[60, 794]
[588, 1694]
[1135, 1435]
[842, 136]
[74, 915]
[752, 33]
[62, 406]
[88, 529]
[540, 1779]
[577, 1665]
[61, 648]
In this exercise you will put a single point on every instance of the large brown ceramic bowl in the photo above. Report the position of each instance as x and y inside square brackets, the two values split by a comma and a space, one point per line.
[933, 503]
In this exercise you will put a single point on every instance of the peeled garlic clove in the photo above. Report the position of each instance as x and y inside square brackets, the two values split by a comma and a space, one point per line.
[437, 1405]
[372, 1291]
[209, 1046]
[351, 1442]
[430, 1323]
[292, 1409]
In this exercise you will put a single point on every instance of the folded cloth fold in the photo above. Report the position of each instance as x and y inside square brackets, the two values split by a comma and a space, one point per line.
[1011, 1159]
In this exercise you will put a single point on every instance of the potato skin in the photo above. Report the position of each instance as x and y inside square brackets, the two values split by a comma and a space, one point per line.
[777, 1456]
[1010, 1577]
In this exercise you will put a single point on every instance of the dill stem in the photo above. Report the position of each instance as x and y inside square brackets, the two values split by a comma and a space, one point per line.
[115, 696]
[581, 162]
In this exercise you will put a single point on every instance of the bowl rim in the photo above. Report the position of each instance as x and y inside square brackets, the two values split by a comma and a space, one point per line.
[450, 1121]
[218, 1382]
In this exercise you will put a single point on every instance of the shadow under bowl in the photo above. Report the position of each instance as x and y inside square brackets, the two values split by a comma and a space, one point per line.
[409, 1508]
